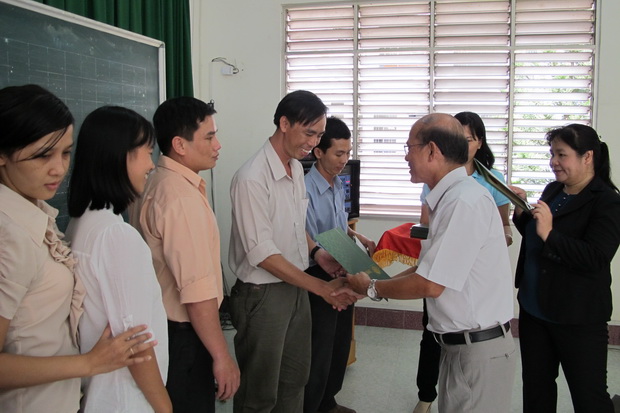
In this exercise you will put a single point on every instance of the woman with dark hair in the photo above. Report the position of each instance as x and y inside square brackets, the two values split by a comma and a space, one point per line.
[112, 161]
[564, 275]
[40, 299]
[475, 132]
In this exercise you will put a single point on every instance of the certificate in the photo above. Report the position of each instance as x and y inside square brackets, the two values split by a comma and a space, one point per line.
[502, 187]
[352, 258]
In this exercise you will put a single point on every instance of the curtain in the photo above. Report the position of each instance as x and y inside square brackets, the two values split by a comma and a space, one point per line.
[165, 20]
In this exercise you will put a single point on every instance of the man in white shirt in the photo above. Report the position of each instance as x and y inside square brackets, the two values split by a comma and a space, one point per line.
[269, 251]
[463, 271]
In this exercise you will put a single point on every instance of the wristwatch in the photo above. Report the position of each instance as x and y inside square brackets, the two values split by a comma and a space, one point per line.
[372, 291]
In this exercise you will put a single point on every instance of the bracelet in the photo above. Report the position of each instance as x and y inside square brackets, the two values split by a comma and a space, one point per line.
[313, 252]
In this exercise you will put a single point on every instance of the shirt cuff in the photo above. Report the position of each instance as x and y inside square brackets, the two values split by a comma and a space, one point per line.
[261, 252]
[201, 290]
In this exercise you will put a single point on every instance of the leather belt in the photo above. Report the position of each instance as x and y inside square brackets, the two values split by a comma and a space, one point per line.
[474, 336]
[176, 325]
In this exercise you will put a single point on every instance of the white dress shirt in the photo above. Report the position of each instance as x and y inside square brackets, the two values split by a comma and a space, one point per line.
[116, 268]
[466, 253]
[268, 216]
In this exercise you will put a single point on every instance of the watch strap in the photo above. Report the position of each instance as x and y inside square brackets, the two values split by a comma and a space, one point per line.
[371, 287]
[313, 252]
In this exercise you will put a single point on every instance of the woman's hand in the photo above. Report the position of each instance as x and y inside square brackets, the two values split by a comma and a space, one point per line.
[521, 194]
[544, 219]
[111, 353]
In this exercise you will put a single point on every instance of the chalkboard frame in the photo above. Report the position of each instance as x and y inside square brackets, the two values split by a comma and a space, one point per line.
[110, 48]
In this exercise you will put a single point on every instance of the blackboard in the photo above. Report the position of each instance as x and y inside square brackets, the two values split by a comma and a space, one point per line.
[85, 63]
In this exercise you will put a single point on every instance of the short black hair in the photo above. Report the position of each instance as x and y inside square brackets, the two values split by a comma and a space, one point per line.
[179, 117]
[100, 179]
[334, 129]
[28, 113]
[450, 140]
[300, 106]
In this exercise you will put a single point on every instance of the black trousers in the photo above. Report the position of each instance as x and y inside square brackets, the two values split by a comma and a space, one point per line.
[331, 342]
[582, 352]
[428, 364]
[190, 383]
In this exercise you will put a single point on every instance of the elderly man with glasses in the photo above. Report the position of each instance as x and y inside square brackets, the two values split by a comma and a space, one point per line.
[463, 272]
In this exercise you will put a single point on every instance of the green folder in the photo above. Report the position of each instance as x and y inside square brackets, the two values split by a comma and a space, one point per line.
[349, 255]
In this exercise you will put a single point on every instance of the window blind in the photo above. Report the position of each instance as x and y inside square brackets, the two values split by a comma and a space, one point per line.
[524, 66]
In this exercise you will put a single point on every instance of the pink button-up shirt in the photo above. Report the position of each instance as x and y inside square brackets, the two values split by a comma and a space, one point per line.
[178, 224]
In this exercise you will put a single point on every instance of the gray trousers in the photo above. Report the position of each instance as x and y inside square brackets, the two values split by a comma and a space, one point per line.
[477, 377]
[272, 346]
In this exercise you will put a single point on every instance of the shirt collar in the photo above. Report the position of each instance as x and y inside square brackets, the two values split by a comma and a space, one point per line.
[321, 183]
[191, 176]
[433, 197]
[32, 218]
[277, 167]
[273, 160]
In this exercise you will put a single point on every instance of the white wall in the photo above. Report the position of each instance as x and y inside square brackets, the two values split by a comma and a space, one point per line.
[248, 33]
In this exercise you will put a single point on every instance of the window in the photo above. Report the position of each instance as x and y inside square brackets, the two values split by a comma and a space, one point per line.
[524, 66]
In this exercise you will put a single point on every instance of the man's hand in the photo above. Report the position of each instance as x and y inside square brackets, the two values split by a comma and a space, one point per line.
[227, 375]
[205, 318]
[329, 263]
[367, 243]
[346, 290]
[344, 298]
[359, 282]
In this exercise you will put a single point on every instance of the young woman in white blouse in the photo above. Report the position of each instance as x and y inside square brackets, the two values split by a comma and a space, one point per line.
[112, 161]
[40, 299]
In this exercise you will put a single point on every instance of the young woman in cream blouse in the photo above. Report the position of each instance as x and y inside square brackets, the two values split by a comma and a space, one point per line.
[40, 299]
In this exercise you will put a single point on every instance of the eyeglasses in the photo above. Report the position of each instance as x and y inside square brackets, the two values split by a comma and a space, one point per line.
[411, 145]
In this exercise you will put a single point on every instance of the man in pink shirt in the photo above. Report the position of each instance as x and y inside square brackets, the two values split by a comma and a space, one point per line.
[179, 226]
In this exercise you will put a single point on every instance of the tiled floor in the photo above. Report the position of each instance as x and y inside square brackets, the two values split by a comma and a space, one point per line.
[383, 377]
